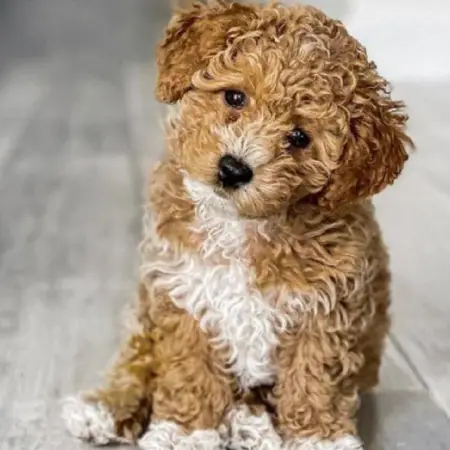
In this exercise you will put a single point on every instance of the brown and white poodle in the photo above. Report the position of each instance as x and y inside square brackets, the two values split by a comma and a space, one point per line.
[264, 290]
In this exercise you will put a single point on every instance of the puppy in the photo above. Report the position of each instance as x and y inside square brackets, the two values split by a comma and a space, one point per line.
[264, 293]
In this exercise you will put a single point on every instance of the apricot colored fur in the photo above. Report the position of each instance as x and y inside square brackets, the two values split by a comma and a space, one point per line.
[305, 231]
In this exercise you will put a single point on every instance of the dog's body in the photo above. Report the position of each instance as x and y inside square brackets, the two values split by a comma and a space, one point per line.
[264, 280]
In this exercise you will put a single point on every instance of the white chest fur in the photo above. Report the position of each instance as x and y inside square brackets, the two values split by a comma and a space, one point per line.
[221, 296]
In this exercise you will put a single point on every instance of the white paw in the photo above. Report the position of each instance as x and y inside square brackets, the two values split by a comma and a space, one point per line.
[343, 443]
[89, 422]
[165, 435]
[252, 432]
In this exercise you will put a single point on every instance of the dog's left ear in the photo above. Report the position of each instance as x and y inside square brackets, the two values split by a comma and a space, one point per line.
[376, 149]
[191, 39]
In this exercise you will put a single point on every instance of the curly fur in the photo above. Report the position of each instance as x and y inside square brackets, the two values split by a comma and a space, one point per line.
[262, 311]
[252, 431]
[90, 422]
[218, 293]
[166, 435]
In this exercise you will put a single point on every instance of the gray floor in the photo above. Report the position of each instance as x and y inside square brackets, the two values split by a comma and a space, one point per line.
[78, 128]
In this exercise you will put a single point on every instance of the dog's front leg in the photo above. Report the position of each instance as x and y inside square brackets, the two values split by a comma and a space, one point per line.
[192, 390]
[317, 392]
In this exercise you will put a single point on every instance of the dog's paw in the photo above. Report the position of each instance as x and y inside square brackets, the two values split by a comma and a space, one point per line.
[252, 432]
[90, 422]
[166, 435]
[342, 443]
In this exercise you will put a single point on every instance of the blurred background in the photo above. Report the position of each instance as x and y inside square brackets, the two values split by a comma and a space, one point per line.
[78, 130]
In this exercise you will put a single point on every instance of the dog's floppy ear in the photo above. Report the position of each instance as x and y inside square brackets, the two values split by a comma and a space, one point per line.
[191, 39]
[376, 149]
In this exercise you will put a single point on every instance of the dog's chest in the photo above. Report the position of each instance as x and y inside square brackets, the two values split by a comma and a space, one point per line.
[222, 298]
[216, 288]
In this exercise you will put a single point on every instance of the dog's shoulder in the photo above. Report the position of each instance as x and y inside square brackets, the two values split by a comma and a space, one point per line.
[318, 257]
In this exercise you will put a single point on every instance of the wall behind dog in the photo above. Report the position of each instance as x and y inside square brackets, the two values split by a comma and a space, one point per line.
[408, 39]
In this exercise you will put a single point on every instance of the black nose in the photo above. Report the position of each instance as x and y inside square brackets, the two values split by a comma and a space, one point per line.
[233, 173]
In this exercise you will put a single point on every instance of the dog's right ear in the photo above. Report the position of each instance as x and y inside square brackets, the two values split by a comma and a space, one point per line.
[191, 39]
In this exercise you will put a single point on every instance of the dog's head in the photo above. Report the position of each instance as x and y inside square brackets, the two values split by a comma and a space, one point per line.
[278, 105]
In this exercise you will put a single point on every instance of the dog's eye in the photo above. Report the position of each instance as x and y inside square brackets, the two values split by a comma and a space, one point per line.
[298, 138]
[235, 99]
